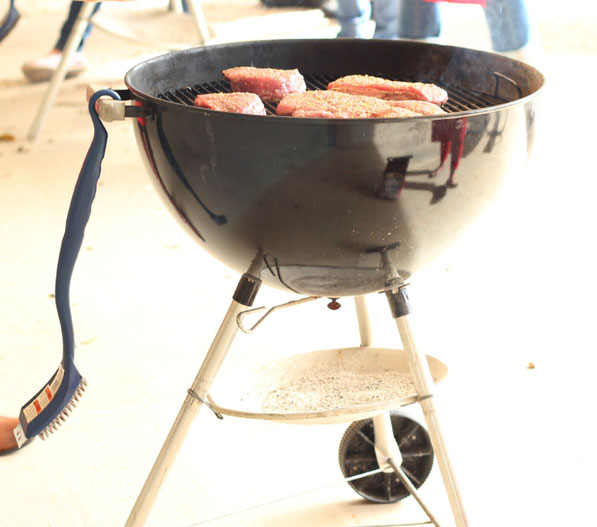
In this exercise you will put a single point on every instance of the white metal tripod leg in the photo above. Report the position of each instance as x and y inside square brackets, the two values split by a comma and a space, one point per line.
[424, 386]
[58, 76]
[192, 403]
[387, 450]
[412, 490]
[360, 303]
[388, 455]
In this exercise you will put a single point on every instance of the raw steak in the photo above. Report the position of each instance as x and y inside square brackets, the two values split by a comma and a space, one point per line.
[390, 90]
[231, 102]
[420, 107]
[397, 111]
[270, 84]
[331, 104]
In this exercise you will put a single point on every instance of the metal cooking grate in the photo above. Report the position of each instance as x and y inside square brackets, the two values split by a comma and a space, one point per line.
[459, 99]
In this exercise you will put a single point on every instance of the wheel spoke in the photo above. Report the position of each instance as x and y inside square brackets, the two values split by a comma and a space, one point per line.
[364, 436]
[415, 481]
[372, 483]
[389, 476]
[417, 452]
[357, 459]
[411, 429]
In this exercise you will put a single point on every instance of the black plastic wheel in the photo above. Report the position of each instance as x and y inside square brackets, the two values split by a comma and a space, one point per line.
[357, 455]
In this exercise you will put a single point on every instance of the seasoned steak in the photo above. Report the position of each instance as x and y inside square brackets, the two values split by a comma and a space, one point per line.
[389, 90]
[397, 111]
[270, 84]
[420, 107]
[331, 104]
[231, 102]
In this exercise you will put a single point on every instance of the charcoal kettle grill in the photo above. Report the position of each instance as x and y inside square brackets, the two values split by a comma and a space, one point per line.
[328, 208]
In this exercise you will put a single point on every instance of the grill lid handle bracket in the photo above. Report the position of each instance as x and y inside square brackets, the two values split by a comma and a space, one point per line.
[113, 110]
[110, 110]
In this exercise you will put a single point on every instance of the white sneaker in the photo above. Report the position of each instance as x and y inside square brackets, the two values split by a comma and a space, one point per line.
[42, 69]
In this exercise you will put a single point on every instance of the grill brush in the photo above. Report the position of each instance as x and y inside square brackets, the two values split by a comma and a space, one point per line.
[42, 414]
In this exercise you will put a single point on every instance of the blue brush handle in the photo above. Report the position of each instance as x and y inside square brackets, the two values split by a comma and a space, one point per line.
[78, 216]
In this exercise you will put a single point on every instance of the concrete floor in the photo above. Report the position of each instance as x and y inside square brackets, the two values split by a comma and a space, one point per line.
[147, 302]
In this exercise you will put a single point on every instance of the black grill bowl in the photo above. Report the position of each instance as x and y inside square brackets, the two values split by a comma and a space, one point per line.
[332, 207]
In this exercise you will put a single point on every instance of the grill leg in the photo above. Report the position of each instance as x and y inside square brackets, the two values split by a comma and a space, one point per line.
[388, 454]
[244, 295]
[387, 450]
[423, 381]
[360, 303]
[413, 491]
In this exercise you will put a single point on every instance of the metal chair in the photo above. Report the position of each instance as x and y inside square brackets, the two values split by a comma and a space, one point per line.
[84, 18]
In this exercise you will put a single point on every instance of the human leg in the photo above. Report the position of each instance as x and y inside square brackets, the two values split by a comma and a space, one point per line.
[508, 24]
[385, 14]
[353, 16]
[67, 27]
[417, 19]
[7, 438]
[459, 127]
[445, 148]
[41, 69]
[456, 149]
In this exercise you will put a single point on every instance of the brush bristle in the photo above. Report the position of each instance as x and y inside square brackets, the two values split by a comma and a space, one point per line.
[61, 417]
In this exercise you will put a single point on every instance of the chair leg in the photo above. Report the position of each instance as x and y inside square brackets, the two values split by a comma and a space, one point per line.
[196, 11]
[58, 77]
[423, 381]
[175, 5]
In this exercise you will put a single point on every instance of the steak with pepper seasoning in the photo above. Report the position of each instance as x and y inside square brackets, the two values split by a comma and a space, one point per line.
[389, 90]
[331, 104]
[272, 85]
[420, 107]
[236, 102]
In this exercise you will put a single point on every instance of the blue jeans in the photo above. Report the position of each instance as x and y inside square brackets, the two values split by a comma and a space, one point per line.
[507, 20]
[69, 23]
[418, 19]
[393, 18]
[353, 16]
[508, 23]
